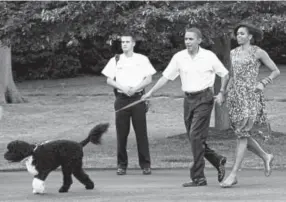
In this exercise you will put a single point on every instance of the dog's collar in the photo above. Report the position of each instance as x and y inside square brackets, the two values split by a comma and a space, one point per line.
[38, 145]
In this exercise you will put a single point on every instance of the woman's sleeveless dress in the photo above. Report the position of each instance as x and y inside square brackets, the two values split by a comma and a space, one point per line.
[244, 104]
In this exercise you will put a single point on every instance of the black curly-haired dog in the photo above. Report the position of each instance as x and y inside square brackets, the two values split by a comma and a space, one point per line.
[44, 158]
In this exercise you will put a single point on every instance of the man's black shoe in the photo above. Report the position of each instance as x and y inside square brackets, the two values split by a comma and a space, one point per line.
[195, 183]
[221, 169]
[121, 171]
[146, 171]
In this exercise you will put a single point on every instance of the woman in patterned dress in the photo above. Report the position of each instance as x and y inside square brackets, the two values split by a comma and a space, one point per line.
[245, 100]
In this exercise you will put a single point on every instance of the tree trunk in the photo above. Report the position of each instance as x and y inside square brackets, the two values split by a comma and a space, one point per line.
[222, 47]
[8, 90]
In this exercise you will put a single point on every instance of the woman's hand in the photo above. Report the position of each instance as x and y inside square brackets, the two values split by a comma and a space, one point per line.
[219, 98]
[259, 87]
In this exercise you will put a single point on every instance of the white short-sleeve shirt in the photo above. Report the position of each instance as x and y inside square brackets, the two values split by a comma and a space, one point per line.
[196, 73]
[129, 71]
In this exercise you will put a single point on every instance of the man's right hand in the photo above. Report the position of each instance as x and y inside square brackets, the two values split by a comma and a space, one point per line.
[126, 90]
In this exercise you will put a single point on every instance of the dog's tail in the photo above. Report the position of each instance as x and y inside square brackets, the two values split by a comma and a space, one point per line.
[95, 134]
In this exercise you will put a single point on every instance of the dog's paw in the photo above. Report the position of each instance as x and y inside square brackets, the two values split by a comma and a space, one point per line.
[38, 186]
[38, 192]
[89, 185]
[63, 189]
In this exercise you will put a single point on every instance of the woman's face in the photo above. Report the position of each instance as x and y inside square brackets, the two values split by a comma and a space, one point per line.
[243, 36]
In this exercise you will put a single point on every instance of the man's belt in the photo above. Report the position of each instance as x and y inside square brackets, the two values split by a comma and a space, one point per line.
[197, 92]
[135, 94]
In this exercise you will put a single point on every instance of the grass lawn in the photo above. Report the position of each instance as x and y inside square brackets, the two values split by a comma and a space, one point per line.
[69, 108]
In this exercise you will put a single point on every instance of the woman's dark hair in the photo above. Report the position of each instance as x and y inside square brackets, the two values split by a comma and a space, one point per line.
[254, 31]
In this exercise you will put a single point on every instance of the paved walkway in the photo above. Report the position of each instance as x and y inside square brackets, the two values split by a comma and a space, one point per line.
[162, 185]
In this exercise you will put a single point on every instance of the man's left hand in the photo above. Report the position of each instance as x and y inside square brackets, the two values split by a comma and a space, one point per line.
[219, 98]
[131, 91]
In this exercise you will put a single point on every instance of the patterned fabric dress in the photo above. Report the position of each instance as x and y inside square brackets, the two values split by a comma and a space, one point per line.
[246, 107]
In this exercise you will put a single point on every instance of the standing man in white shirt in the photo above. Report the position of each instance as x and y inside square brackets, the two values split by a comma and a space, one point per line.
[129, 73]
[197, 68]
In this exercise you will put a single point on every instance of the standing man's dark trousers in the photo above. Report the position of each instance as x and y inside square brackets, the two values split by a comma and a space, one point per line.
[197, 114]
[137, 114]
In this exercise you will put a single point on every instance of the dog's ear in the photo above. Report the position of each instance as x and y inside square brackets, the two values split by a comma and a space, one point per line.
[26, 148]
[12, 145]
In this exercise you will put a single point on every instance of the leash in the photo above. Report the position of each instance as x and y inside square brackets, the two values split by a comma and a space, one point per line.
[131, 104]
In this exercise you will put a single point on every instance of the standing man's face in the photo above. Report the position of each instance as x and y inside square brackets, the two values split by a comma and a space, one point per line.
[192, 41]
[127, 43]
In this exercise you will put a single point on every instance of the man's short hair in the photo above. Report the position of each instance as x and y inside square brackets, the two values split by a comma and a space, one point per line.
[195, 30]
[130, 34]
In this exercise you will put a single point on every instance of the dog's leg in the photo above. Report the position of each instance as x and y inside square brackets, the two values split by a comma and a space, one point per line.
[39, 183]
[67, 178]
[79, 173]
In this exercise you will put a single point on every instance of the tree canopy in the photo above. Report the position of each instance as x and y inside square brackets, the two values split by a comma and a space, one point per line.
[37, 31]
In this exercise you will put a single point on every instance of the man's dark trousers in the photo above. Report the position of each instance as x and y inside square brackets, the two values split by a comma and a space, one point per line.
[197, 115]
[137, 114]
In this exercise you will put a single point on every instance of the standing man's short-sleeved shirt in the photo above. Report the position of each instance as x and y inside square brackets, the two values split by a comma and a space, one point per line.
[196, 73]
[129, 71]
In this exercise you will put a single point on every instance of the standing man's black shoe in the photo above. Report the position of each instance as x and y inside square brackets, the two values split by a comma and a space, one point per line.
[221, 169]
[196, 183]
[121, 171]
[146, 171]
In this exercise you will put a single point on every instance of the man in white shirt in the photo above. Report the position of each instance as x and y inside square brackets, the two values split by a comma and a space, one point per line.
[197, 68]
[129, 74]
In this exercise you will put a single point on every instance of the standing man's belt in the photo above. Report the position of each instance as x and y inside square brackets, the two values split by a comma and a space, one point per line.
[197, 92]
[135, 94]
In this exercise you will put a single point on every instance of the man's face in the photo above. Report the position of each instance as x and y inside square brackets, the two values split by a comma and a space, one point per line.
[192, 41]
[127, 43]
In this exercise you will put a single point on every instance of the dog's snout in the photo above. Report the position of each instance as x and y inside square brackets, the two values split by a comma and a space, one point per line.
[7, 156]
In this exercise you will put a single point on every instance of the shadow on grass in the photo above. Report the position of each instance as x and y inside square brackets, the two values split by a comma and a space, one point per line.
[216, 134]
[177, 148]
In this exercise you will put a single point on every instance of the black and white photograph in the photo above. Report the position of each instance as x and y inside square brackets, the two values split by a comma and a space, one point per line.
[134, 101]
